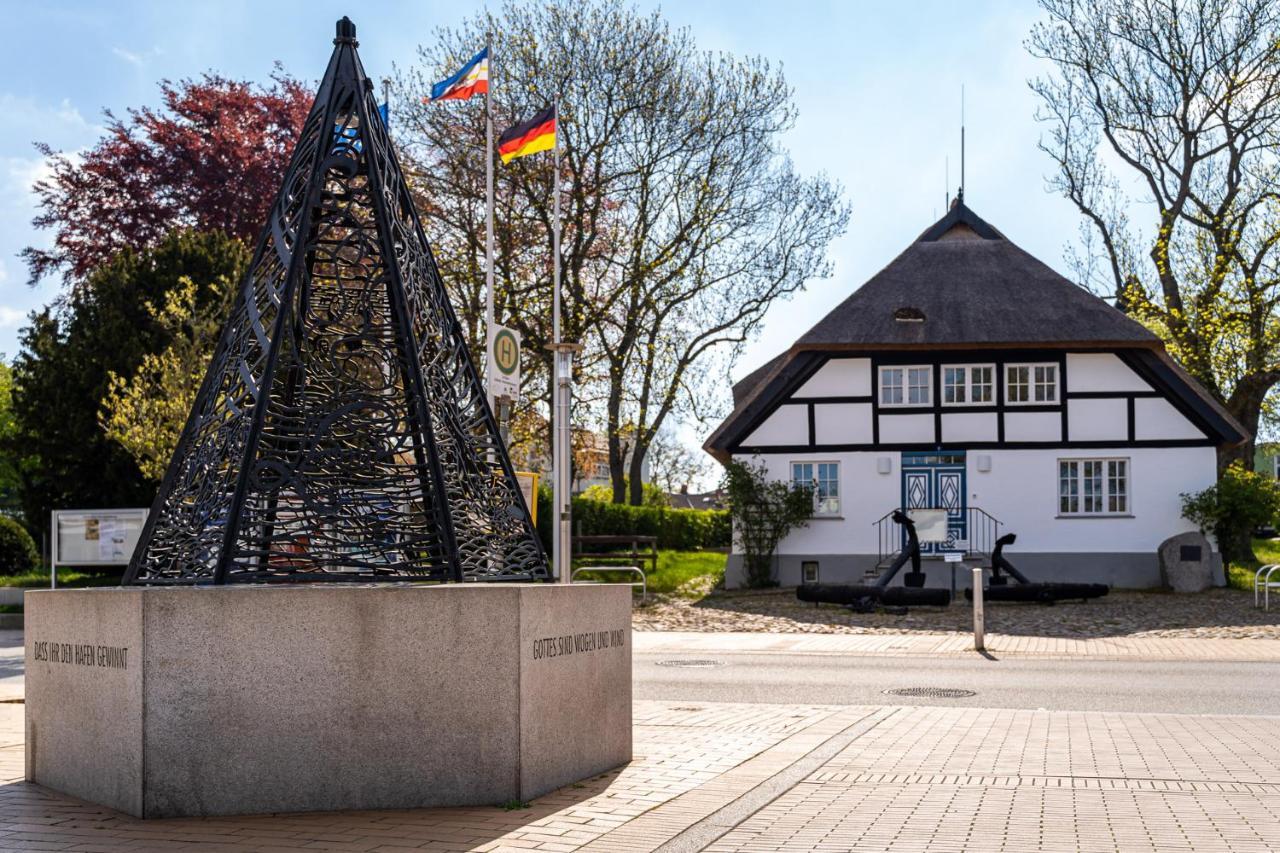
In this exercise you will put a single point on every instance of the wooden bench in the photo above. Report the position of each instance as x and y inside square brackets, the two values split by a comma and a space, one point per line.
[626, 550]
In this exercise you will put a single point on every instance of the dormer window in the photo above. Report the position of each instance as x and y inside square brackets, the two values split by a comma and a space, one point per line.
[908, 314]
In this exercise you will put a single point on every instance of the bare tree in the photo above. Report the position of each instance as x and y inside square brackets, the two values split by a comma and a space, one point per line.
[673, 465]
[684, 220]
[1182, 101]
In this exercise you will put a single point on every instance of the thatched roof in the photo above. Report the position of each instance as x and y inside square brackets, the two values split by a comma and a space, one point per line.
[963, 285]
[973, 287]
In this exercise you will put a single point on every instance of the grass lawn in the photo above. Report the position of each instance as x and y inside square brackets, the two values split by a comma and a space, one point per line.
[1241, 576]
[39, 579]
[691, 573]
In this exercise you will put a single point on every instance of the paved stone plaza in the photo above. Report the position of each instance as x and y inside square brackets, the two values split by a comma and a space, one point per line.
[736, 777]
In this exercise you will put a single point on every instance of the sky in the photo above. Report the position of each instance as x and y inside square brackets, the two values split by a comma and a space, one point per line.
[877, 85]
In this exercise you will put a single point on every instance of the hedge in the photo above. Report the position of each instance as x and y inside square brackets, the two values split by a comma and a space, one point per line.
[677, 529]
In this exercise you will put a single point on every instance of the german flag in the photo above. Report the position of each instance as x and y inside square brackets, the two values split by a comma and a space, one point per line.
[529, 137]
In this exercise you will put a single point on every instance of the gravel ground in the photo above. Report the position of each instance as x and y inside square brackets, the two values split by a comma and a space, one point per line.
[1216, 614]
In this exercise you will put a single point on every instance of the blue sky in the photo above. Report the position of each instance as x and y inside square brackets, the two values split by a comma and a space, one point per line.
[877, 85]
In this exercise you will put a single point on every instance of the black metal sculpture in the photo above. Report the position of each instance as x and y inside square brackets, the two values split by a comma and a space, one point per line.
[864, 598]
[1025, 589]
[342, 431]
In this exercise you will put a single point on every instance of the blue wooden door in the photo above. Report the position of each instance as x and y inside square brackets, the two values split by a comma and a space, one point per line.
[936, 480]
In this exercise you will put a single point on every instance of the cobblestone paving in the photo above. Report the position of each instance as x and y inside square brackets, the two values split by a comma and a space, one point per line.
[1214, 614]
[870, 779]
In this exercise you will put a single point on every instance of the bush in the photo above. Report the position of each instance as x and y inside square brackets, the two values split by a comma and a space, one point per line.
[764, 511]
[676, 529]
[18, 552]
[653, 496]
[1230, 510]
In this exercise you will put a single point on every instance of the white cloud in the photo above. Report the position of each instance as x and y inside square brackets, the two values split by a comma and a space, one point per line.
[11, 317]
[19, 174]
[137, 60]
[129, 56]
[60, 124]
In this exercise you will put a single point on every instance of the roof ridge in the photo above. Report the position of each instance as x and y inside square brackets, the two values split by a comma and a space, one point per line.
[960, 214]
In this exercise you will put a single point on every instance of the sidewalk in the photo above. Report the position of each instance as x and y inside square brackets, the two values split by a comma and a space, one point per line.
[998, 645]
[735, 777]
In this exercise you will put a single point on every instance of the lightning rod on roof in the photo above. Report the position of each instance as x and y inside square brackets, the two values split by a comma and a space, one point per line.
[960, 196]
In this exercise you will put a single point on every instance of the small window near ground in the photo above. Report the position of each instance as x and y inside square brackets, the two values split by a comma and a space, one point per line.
[1093, 486]
[966, 385]
[809, 571]
[906, 386]
[824, 479]
[1029, 384]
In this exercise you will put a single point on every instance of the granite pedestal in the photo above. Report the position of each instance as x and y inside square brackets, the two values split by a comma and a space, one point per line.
[164, 702]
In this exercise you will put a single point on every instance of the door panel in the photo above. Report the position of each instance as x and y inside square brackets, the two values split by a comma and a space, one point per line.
[936, 480]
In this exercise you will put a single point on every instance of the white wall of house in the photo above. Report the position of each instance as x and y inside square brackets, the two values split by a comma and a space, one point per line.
[1101, 371]
[1099, 401]
[1020, 489]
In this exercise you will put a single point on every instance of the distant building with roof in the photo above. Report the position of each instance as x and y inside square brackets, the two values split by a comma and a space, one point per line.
[968, 376]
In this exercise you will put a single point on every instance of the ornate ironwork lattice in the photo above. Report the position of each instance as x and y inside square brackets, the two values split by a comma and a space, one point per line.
[341, 432]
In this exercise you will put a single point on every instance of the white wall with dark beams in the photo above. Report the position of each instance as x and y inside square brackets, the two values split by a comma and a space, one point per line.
[1099, 400]
[1104, 408]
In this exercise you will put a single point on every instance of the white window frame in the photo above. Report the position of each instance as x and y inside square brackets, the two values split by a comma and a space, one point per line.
[968, 385]
[905, 386]
[1106, 480]
[822, 507]
[1033, 383]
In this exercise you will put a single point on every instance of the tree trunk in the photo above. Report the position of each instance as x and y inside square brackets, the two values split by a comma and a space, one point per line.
[639, 449]
[617, 476]
[1235, 545]
[1245, 404]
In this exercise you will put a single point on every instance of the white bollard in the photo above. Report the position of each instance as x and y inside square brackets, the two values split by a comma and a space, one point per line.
[979, 627]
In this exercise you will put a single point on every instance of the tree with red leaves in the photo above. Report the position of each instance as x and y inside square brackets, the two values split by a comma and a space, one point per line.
[210, 159]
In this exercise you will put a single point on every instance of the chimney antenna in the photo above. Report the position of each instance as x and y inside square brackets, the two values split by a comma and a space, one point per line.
[947, 184]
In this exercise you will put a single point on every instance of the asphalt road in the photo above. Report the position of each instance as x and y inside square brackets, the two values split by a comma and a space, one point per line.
[1057, 685]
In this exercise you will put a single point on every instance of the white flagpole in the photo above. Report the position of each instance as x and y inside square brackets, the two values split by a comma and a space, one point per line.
[488, 224]
[563, 376]
[555, 240]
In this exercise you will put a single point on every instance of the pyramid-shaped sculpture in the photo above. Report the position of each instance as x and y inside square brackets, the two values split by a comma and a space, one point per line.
[342, 431]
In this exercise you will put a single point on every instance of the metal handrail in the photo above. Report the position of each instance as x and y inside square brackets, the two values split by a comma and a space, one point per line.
[644, 581]
[984, 530]
[1265, 584]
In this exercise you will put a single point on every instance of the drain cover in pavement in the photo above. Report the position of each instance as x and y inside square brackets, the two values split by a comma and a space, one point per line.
[932, 692]
[691, 663]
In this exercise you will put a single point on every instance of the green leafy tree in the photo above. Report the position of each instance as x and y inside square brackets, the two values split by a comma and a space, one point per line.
[10, 460]
[145, 414]
[1164, 127]
[763, 511]
[18, 552]
[73, 348]
[1241, 501]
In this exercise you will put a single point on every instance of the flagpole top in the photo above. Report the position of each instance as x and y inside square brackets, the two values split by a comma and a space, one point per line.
[346, 32]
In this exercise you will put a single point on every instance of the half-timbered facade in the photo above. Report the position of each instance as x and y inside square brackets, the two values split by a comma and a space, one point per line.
[968, 376]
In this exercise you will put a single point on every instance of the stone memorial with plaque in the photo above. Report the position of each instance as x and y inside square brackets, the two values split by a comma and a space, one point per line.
[338, 600]
[1187, 563]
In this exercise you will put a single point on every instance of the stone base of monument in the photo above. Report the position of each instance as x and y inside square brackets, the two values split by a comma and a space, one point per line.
[163, 702]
